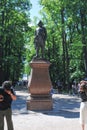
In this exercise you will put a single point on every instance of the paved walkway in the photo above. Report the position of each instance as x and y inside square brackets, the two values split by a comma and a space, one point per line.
[64, 116]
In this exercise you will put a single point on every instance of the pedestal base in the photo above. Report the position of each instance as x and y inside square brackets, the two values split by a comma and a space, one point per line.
[40, 104]
[39, 87]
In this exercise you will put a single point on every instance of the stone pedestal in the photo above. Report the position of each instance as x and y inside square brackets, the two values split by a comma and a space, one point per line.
[39, 86]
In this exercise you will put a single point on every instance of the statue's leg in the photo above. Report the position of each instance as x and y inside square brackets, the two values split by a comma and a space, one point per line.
[42, 50]
[37, 51]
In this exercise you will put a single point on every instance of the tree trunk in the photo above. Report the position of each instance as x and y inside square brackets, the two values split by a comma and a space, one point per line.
[63, 45]
[83, 30]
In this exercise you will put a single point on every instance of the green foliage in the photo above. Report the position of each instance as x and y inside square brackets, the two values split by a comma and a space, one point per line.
[66, 43]
[66, 46]
[14, 18]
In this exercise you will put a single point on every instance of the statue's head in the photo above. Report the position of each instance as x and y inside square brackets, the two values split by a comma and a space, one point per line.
[40, 23]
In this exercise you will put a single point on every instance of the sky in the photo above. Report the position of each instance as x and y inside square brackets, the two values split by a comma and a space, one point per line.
[35, 9]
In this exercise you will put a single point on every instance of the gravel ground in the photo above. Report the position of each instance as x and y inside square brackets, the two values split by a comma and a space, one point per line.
[64, 116]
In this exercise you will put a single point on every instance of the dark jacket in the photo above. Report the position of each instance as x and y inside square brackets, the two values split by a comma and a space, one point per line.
[7, 100]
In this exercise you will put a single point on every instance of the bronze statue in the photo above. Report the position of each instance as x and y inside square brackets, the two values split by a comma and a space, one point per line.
[39, 40]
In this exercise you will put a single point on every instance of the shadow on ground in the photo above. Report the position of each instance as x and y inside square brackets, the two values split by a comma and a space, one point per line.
[67, 106]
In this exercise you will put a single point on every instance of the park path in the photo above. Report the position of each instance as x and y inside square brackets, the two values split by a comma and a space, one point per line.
[64, 116]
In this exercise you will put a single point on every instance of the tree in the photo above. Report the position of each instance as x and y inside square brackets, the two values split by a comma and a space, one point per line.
[14, 18]
[69, 24]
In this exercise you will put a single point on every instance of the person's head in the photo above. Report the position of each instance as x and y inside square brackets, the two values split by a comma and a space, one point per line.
[7, 85]
[83, 85]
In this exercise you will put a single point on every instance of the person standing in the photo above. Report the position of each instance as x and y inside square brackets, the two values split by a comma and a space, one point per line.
[83, 105]
[7, 95]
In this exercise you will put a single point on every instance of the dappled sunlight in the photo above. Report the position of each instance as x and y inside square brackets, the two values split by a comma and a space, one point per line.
[63, 105]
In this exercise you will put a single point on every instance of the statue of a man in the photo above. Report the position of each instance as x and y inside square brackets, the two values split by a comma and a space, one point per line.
[39, 40]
